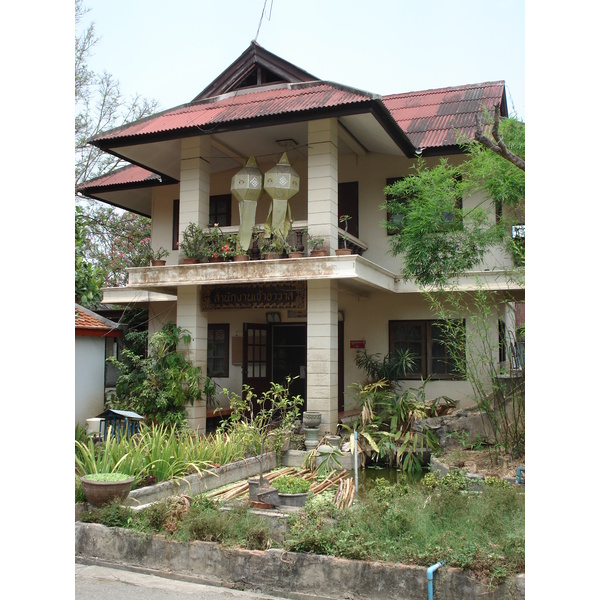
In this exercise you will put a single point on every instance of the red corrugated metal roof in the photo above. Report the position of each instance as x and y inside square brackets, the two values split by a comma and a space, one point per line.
[276, 100]
[126, 175]
[435, 118]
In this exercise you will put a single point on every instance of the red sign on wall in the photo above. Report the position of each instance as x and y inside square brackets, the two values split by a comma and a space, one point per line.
[357, 344]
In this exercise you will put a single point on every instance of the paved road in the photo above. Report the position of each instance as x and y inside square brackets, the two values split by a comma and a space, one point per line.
[94, 582]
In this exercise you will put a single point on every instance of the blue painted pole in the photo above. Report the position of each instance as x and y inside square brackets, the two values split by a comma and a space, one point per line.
[519, 471]
[355, 462]
[430, 571]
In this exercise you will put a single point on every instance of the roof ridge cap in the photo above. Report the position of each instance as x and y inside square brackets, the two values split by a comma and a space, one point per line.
[448, 87]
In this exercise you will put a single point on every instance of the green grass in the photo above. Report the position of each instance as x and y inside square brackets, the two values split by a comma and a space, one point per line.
[420, 524]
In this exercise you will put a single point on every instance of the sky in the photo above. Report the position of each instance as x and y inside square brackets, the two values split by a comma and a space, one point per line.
[171, 51]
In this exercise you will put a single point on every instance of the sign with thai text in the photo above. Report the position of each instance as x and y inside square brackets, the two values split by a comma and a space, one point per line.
[289, 294]
[357, 344]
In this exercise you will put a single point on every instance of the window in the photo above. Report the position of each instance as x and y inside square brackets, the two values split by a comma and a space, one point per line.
[217, 363]
[426, 342]
[501, 341]
[348, 204]
[220, 210]
[175, 234]
[395, 220]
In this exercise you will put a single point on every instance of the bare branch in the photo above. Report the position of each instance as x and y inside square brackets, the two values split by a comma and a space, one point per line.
[499, 147]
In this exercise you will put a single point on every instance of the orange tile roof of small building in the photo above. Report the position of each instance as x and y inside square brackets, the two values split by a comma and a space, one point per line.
[90, 324]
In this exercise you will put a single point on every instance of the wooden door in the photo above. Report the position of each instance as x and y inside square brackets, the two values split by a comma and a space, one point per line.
[256, 370]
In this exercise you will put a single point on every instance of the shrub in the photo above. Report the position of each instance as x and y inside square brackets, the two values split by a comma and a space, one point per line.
[288, 484]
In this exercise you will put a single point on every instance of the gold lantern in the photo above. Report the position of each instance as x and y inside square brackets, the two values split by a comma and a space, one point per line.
[281, 183]
[247, 186]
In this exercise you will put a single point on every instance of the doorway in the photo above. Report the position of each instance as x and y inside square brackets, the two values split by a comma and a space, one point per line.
[289, 357]
[271, 353]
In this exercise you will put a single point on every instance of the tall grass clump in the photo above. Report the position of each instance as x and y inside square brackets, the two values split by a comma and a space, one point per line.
[157, 453]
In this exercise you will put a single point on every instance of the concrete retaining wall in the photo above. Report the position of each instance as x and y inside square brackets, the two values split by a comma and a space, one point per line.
[193, 485]
[276, 572]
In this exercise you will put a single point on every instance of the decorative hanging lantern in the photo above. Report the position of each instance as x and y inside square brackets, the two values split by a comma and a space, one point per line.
[281, 183]
[247, 186]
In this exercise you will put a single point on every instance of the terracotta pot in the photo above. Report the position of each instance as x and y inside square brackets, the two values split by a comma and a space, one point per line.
[216, 259]
[296, 255]
[99, 493]
[343, 251]
[159, 263]
[271, 255]
[190, 261]
[240, 257]
[318, 253]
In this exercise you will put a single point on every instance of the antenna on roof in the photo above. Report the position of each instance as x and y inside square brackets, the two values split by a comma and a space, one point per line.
[261, 18]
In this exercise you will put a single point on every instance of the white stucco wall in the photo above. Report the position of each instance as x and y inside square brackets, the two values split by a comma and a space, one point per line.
[89, 378]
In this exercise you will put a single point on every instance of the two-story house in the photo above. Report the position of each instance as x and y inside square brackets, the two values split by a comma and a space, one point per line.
[258, 321]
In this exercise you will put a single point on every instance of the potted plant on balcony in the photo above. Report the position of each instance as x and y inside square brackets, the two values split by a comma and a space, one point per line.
[345, 250]
[192, 244]
[316, 245]
[239, 254]
[218, 245]
[296, 249]
[273, 246]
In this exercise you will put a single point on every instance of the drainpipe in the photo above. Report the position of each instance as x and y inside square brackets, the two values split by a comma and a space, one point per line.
[430, 573]
[355, 462]
[519, 471]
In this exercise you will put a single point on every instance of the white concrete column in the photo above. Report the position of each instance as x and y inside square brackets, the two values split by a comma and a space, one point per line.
[322, 352]
[194, 202]
[190, 317]
[194, 186]
[323, 181]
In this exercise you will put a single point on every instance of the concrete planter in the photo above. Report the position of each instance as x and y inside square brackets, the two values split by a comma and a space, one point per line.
[311, 419]
[99, 493]
[293, 500]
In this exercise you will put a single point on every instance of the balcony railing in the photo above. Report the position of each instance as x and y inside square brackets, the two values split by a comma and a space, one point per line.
[297, 238]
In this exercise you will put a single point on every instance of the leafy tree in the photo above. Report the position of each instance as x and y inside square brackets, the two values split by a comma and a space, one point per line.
[110, 237]
[438, 239]
[159, 386]
[114, 241]
[87, 277]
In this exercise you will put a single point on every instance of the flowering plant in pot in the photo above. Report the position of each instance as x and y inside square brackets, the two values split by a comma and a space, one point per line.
[218, 245]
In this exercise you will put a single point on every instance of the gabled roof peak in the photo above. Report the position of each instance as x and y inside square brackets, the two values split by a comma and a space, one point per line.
[255, 67]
